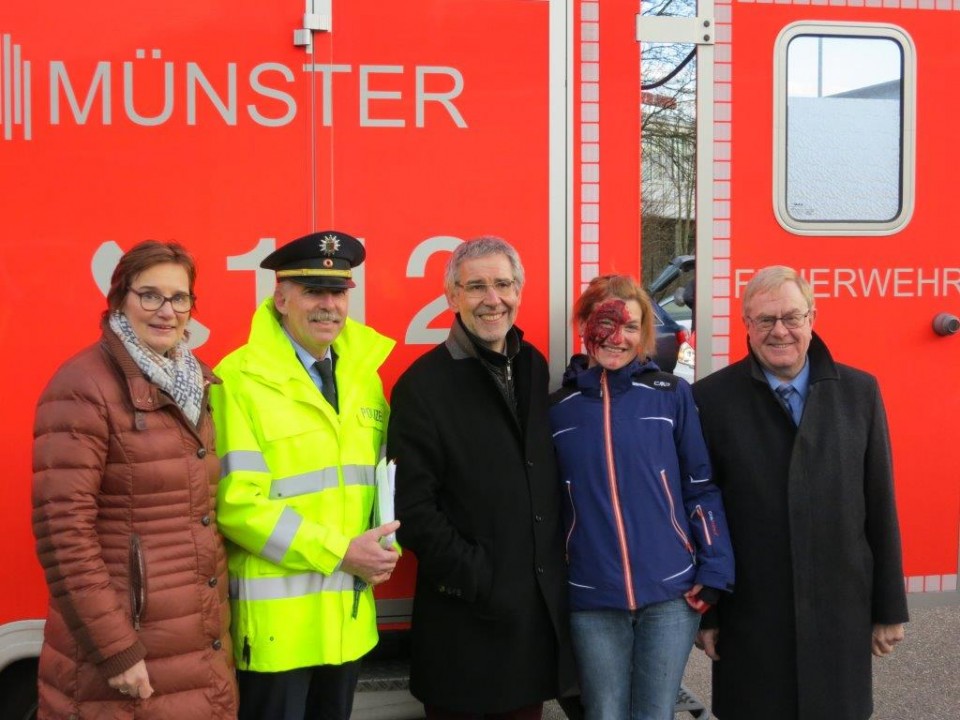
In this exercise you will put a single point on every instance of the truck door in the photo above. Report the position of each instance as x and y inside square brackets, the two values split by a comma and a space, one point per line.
[822, 142]
[831, 152]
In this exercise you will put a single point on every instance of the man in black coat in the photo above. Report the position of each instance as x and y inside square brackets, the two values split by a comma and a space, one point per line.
[478, 499]
[801, 451]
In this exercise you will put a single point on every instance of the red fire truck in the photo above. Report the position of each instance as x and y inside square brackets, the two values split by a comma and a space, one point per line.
[414, 125]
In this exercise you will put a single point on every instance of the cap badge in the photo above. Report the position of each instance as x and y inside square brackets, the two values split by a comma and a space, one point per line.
[329, 244]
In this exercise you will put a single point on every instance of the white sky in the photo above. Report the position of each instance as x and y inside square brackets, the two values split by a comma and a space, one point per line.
[848, 63]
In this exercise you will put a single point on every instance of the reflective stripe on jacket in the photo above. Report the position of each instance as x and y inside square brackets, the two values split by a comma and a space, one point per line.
[297, 485]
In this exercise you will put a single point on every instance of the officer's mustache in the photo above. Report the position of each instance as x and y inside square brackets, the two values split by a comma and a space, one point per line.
[325, 316]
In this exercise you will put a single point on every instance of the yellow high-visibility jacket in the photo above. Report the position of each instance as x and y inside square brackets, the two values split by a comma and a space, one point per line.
[297, 485]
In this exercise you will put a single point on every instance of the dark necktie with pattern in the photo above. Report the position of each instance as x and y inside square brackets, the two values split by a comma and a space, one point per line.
[329, 389]
[791, 401]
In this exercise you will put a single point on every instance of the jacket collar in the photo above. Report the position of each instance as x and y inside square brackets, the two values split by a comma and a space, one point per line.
[463, 344]
[271, 357]
[587, 379]
[144, 394]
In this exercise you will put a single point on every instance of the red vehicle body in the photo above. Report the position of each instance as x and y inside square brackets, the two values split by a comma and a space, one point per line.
[415, 125]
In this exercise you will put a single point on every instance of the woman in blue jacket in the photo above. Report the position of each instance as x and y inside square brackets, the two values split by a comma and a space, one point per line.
[647, 543]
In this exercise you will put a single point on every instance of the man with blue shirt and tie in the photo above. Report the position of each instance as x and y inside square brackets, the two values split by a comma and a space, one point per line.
[800, 449]
[301, 423]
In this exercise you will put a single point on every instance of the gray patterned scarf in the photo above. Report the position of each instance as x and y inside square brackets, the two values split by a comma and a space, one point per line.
[178, 373]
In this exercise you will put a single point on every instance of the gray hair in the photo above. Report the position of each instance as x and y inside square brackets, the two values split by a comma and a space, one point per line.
[772, 278]
[481, 247]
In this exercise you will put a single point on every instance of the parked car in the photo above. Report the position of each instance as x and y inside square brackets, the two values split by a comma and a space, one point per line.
[671, 336]
[677, 308]
[674, 318]
[686, 358]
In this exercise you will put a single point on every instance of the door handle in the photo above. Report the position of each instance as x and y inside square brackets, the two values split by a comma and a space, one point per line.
[946, 324]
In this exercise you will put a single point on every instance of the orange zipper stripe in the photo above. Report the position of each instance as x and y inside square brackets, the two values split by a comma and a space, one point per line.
[614, 492]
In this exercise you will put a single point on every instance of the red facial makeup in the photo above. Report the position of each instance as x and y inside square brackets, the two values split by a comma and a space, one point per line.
[605, 324]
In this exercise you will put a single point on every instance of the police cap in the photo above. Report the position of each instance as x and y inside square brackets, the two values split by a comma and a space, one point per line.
[321, 259]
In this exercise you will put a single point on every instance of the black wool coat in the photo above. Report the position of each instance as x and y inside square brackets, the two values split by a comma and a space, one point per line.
[478, 498]
[813, 520]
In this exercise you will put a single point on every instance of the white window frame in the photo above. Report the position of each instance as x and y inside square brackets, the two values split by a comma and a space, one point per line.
[908, 128]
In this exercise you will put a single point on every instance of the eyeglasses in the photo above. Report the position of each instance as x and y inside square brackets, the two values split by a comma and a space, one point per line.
[151, 301]
[766, 323]
[479, 290]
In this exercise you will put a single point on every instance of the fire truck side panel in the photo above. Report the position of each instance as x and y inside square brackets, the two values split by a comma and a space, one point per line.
[877, 295]
[412, 125]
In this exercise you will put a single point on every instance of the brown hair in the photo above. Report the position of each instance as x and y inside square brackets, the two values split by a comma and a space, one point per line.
[141, 257]
[622, 287]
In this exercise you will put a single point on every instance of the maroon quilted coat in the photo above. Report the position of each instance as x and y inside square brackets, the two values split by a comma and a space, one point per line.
[123, 514]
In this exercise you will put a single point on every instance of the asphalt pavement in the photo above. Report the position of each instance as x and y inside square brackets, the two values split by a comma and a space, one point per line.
[920, 680]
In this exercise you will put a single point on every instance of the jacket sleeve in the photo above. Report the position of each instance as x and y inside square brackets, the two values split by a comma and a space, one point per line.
[453, 564]
[71, 437]
[882, 527]
[701, 498]
[245, 513]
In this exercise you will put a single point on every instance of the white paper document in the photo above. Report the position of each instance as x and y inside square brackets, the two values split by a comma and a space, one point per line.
[383, 511]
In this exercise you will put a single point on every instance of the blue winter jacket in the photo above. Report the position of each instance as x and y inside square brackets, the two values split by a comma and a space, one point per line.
[644, 521]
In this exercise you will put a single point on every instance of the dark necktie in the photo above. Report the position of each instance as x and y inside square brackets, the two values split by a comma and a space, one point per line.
[791, 401]
[329, 389]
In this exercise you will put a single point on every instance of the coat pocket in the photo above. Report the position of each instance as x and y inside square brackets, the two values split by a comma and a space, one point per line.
[137, 582]
[672, 510]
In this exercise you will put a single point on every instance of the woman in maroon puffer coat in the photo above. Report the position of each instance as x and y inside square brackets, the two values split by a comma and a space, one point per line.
[125, 477]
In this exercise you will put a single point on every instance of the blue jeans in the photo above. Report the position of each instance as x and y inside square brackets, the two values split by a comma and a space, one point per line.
[631, 663]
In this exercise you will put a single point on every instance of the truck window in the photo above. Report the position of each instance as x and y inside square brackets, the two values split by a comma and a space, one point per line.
[844, 111]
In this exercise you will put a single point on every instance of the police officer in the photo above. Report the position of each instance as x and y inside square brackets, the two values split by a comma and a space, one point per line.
[301, 421]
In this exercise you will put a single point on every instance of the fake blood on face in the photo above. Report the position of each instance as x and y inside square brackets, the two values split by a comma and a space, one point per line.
[605, 325]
